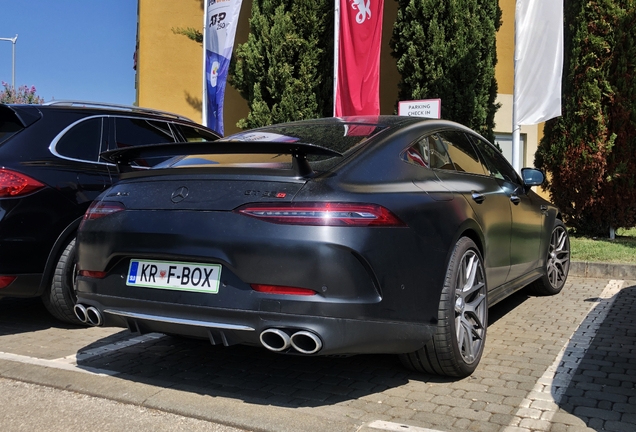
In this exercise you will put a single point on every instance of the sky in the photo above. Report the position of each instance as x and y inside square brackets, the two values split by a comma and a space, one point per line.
[71, 49]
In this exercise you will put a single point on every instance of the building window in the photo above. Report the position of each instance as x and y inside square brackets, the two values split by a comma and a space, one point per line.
[504, 140]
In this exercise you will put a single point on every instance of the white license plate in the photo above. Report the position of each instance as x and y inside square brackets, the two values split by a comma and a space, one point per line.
[174, 275]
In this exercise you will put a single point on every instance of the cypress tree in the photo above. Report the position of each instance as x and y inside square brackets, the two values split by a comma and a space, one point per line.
[618, 191]
[284, 69]
[446, 49]
[589, 152]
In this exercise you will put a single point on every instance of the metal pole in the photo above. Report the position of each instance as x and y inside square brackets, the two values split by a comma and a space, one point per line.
[336, 42]
[204, 96]
[13, 61]
[12, 40]
[516, 127]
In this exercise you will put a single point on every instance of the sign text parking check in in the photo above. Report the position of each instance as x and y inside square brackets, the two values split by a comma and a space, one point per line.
[429, 108]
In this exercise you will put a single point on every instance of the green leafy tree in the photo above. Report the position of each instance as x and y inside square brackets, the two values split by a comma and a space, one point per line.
[284, 70]
[446, 49]
[189, 32]
[23, 95]
[589, 152]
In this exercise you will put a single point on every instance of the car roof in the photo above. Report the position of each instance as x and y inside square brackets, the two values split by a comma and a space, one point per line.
[393, 122]
[96, 107]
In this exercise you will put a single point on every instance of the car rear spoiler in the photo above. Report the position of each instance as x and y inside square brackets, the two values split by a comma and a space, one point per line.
[124, 157]
[26, 116]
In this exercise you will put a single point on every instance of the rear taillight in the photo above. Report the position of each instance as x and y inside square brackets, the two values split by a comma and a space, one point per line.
[99, 209]
[13, 184]
[329, 214]
[5, 281]
[276, 289]
[92, 274]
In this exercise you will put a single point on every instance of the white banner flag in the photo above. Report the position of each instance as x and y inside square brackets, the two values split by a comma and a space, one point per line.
[538, 60]
[221, 19]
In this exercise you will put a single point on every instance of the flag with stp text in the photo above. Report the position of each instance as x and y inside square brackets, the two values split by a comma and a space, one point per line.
[357, 89]
[221, 19]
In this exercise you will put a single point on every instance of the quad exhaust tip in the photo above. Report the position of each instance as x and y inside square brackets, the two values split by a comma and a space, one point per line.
[306, 342]
[275, 340]
[88, 315]
[303, 341]
[80, 313]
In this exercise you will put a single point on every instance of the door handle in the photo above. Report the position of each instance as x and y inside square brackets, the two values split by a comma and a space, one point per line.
[478, 198]
[515, 199]
[544, 209]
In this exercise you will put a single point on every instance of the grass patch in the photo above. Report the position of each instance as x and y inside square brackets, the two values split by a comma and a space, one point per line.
[621, 250]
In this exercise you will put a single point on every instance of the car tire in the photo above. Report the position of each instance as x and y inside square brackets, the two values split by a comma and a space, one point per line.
[60, 298]
[557, 265]
[458, 341]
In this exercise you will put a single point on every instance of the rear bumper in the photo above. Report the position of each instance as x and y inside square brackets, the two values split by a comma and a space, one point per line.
[339, 336]
[26, 285]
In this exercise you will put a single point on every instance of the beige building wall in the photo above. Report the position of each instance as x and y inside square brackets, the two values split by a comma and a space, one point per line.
[169, 65]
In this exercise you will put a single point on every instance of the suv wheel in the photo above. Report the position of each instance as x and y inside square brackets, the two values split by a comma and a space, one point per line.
[60, 298]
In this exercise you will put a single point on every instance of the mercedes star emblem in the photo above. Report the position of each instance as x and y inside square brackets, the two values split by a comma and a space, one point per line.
[179, 195]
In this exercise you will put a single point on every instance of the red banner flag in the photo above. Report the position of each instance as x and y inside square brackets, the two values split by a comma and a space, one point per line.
[358, 75]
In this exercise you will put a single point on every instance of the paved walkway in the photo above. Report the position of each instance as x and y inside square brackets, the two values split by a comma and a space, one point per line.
[563, 363]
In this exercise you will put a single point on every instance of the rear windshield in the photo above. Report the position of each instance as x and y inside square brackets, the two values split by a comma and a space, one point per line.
[342, 137]
[9, 126]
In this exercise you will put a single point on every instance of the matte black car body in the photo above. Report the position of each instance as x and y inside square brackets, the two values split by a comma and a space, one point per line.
[57, 146]
[376, 288]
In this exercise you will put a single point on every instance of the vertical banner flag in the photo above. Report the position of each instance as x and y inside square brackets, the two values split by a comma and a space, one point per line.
[359, 39]
[221, 19]
[538, 60]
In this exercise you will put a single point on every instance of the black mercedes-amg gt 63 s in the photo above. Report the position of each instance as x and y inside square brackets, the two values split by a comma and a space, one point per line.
[322, 237]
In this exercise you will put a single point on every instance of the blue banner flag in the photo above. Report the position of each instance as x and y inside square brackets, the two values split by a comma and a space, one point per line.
[221, 19]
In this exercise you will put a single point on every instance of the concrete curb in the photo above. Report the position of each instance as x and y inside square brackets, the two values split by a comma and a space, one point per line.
[180, 400]
[602, 270]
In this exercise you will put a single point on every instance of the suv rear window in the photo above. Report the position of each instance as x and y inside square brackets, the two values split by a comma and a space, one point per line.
[9, 125]
[131, 132]
[83, 141]
[191, 134]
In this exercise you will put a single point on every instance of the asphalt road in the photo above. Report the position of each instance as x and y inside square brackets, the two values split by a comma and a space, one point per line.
[563, 363]
[30, 407]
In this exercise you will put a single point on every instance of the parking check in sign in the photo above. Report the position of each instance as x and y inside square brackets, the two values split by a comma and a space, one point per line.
[179, 276]
[429, 108]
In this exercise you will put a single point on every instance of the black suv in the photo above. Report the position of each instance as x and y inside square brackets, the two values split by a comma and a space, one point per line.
[50, 171]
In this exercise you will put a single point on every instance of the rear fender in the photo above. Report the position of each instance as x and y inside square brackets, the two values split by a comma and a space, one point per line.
[62, 240]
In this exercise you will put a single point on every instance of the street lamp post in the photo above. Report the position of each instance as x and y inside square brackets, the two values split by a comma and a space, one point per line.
[12, 40]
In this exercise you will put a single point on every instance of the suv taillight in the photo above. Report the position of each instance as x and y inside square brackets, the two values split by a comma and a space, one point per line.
[14, 184]
[5, 281]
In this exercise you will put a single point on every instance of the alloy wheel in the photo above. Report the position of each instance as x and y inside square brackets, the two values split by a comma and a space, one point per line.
[471, 308]
[558, 263]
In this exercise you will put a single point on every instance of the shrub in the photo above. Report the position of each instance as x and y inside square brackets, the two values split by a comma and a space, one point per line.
[24, 95]
[446, 49]
[285, 68]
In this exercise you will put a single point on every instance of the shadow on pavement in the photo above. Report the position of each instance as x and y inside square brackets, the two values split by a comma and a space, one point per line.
[27, 328]
[507, 305]
[19, 315]
[256, 375]
[601, 391]
[253, 374]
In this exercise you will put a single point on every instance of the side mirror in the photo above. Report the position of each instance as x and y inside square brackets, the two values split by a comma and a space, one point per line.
[532, 177]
